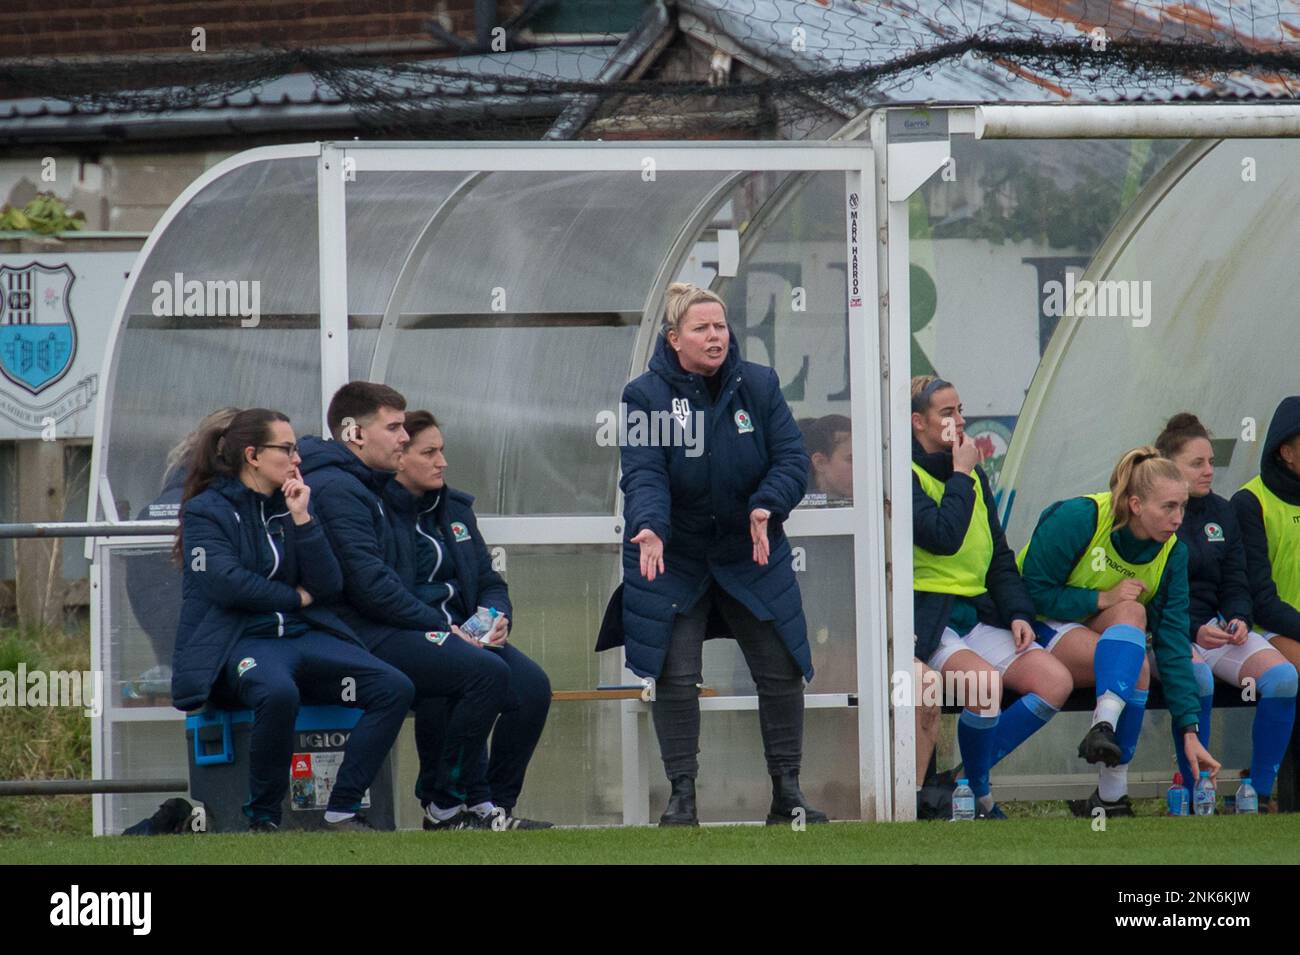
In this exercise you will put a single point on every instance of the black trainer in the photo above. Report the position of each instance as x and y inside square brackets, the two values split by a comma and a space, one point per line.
[1100, 745]
[263, 825]
[353, 823]
[1083, 808]
[462, 820]
[501, 819]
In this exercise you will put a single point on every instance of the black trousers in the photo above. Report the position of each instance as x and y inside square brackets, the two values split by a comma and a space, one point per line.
[676, 710]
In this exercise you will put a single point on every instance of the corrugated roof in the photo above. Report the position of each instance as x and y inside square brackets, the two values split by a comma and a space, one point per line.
[844, 35]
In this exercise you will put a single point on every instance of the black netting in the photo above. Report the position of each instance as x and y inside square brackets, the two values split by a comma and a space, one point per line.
[738, 64]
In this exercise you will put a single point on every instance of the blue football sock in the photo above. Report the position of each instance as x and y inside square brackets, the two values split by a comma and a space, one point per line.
[1018, 722]
[1205, 689]
[1117, 661]
[1130, 725]
[975, 736]
[1273, 718]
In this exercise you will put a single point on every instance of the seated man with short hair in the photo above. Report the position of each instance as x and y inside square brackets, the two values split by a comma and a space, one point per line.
[346, 476]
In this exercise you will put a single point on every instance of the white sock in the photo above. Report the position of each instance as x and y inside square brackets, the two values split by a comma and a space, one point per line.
[332, 816]
[483, 809]
[442, 815]
[1109, 707]
[986, 802]
[1112, 782]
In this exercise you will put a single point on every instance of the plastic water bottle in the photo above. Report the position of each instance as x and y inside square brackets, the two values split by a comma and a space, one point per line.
[1247, 798]
[1203, 798]
[1178, 798]
[480, 625]
[963, 802]
[153, 682]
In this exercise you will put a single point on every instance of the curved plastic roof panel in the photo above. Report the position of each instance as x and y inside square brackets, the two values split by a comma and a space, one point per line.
[553, 242]
[224, 312]
[1196, 260]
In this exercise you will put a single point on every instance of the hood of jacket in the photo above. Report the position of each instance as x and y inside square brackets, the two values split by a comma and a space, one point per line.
[318, 454]
[1277, 477]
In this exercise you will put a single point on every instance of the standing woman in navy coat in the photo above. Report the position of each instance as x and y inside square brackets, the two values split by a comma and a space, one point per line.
[703, 518]
[253, 632]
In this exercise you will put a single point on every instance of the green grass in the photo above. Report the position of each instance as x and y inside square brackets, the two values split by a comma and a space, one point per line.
[1218, 840]
[44, 742]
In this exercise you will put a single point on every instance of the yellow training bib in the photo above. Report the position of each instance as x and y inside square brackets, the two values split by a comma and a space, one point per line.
[961, 573]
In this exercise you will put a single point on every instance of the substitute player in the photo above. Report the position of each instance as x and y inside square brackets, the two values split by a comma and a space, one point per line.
[1223, 644]
[1102, 570]
[972, 612]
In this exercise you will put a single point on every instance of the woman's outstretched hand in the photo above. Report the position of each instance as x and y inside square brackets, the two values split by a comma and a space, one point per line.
[758, 533]
[652, 553]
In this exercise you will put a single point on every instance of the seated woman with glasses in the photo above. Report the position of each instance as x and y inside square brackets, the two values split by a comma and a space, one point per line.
[253, 632]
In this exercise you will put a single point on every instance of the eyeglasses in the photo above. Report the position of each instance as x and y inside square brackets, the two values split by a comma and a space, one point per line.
[289, 449]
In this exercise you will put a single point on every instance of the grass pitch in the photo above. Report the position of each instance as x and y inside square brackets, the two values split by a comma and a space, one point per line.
[1153, 840]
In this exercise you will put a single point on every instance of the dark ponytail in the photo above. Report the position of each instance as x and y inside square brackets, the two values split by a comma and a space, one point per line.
[1178, 430]
[219, 452]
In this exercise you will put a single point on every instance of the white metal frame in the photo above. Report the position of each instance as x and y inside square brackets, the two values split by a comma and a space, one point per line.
[899, 173]
[339, 163]
[882, 546]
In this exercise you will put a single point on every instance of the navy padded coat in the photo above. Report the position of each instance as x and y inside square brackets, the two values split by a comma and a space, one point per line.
[229, 521]
[751, 456]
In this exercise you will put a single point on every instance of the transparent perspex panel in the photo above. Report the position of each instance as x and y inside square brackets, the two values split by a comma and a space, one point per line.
[224, 313]
[1168, 320]
[554, 242]
[142, 750]
[386, 213]
[140, 610]
[994, 246]
[788, 306]
[521, 409]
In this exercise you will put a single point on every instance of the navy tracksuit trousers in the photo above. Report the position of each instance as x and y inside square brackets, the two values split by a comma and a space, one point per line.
[311, 668]
[523, 716]
[471, 685]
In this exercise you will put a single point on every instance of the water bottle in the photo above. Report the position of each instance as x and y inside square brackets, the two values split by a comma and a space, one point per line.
[1203, 798]
[963, 802]
[153, 682]
[1178, 798]
[480, 625]
[1247, 798]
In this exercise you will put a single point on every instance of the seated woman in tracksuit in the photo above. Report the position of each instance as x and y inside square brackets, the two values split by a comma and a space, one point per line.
[1102, 570]
[1223, 644]
[253, 632]
[448, 565]
[972, 613]
[1268, 510]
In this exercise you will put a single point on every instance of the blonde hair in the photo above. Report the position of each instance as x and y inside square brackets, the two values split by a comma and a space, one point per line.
[681, 296]
[1136, 473]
